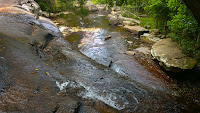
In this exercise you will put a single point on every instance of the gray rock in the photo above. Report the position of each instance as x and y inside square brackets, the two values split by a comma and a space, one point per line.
[132, 53]
[113, 20]
[91, 6]
[170, 56]
[131, 19]
[155, 31]
[129, 23]
[149, 38]
[136, 29]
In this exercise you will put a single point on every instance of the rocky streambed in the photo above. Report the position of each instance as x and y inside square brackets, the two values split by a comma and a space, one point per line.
[82, 73]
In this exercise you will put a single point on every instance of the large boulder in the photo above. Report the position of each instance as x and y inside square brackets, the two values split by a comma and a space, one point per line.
[113, 20]
[170, 56]
[91, 6]
[136, 29]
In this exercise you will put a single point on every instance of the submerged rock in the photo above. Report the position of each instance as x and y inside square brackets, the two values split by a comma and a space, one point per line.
[170, 56]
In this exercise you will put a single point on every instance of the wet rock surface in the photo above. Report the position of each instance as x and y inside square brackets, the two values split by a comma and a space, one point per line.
[58, 78]
[170, 55]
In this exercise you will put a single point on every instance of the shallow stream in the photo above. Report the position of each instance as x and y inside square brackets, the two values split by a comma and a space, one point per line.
[129, 56]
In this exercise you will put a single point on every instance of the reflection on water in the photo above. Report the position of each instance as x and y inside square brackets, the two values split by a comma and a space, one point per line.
[87, 36]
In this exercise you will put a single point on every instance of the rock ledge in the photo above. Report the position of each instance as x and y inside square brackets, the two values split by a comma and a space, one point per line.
[170, 56]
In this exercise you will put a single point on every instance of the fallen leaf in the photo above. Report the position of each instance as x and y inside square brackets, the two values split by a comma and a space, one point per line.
[47, 73]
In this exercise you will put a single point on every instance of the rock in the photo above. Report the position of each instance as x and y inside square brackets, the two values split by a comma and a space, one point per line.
[113, 20]
[116, 8]
[149, 38]
[12, 9]
[76, 4]
[147, 26]
[110, 16]
[130, 42]
[131, 19]
[155, 32]
[132, 53]
[136, 21]
[115, 12]
[170, 56]
[101, 7]
[100, 106]
[144, 50]
[91, 6]
[128, 23]
[163, 36]
[45, 14]
[127, 19]
[136, 29]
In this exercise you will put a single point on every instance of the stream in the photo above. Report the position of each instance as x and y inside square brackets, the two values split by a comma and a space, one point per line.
[94, 68]
[140, 83]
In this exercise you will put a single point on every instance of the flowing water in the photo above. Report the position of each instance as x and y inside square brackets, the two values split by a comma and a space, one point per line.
[143, 82]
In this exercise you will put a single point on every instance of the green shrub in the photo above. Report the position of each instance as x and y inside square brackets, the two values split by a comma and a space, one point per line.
[149, 21]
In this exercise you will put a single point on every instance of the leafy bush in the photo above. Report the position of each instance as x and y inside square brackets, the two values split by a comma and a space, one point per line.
[149, 21]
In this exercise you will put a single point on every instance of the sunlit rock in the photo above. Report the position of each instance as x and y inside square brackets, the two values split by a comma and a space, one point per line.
[170, 56]
[132, 53]
[129, 23]
[136, 29]
[91, 6]
[149, 38]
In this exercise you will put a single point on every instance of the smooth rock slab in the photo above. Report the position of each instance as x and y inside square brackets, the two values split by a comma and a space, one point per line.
[170, 56]
[136, 29]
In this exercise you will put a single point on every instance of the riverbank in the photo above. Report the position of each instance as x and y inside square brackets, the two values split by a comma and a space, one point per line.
[58, 78]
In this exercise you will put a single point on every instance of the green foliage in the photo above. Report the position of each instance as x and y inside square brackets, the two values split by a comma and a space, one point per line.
[55, 6]
[173, 18]
[149, 21]
[183, 23]
[82, 11]
[169, 16]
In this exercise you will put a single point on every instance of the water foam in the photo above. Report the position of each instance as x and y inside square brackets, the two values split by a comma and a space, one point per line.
[110, 99]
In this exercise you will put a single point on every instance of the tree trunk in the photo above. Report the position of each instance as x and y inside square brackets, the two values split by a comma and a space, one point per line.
[194, 7]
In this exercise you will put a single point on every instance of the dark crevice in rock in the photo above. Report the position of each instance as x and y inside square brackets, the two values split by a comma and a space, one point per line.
[37, 90]
[55, 109]
[180, 57]
[77, 109]
[38, 50]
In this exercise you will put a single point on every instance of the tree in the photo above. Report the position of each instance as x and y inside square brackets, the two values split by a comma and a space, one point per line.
[194, 6]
